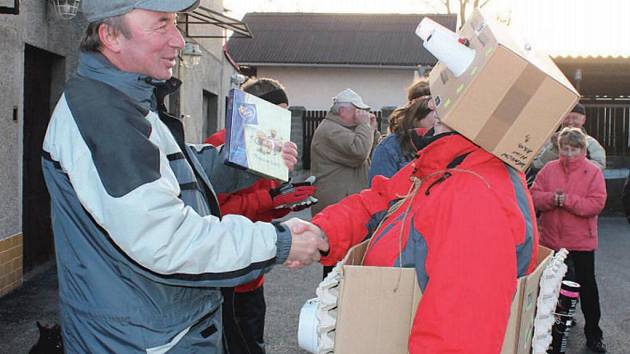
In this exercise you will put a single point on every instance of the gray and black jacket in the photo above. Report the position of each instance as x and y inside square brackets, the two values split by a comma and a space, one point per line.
[141, 247]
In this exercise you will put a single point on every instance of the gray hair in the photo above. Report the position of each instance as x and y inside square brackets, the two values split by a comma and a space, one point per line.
[91, 41]
[338, 105]
[574, 137]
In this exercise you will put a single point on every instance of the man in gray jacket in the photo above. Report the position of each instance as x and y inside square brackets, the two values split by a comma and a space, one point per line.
[142, 249]
[576, 119]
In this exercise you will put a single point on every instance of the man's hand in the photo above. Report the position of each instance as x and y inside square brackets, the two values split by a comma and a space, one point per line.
[373, 122]
[307, 240]
[289, 154]
[361, 117]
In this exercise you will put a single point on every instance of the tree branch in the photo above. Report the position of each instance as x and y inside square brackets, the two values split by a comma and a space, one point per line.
[447, 4]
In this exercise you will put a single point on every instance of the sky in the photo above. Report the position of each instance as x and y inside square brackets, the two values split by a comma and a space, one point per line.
[558, 27]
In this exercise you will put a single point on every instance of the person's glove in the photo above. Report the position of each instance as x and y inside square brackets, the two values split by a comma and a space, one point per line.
[289, 196]
[294, 196]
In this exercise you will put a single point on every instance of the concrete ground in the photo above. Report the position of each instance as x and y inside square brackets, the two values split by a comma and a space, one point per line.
[286, 291]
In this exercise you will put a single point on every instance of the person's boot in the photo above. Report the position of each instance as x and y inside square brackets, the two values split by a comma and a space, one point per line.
[596, 346]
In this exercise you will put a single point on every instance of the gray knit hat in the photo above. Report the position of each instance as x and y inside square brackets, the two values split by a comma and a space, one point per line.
[95, 10]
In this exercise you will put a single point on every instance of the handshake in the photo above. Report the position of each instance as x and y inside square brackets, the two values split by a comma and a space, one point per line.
[308, 243]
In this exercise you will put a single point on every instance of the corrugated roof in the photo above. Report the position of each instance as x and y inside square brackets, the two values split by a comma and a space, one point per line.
[334, 39]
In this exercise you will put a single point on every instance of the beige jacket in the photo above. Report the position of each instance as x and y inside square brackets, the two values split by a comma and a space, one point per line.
[340, 159]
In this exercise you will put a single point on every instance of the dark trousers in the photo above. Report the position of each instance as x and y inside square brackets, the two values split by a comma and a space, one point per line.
[250, 311]
[582, 270]
[233, 338]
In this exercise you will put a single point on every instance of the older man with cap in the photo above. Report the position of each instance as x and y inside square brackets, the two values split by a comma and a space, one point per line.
[341, 149]
[142, 250]
[576, 119]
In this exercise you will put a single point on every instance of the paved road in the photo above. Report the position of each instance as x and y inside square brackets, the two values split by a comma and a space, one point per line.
[287, 290]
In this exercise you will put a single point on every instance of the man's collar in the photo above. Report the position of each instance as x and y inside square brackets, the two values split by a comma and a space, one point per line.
[94, 65]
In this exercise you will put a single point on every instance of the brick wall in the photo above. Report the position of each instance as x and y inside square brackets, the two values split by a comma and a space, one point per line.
[10, 263]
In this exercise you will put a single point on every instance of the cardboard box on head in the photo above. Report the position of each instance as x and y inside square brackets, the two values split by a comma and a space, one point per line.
[509, 99]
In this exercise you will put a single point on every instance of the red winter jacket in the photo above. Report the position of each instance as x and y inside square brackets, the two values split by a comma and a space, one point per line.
[469, 232]
[253, 202]
[574, 226]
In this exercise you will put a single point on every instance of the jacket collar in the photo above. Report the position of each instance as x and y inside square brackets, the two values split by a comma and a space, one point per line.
[443, 149]
[93, 65]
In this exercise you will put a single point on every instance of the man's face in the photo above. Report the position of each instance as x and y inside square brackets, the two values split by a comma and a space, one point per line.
[153, 45]
[348, 113]
[574, 120]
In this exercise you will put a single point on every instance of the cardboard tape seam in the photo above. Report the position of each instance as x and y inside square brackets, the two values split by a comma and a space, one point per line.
[510, 107]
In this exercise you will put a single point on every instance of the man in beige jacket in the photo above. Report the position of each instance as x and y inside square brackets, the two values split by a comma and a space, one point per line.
[576, 119]
[340, 149]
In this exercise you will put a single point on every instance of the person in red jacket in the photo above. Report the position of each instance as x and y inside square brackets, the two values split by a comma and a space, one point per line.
[464, 220]
[570, 193]
[262, 201]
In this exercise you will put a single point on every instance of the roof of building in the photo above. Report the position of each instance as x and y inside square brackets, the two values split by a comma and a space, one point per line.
[334, 39]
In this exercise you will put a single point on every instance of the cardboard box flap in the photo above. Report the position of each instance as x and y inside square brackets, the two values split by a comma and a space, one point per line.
[529, 301]
[544, 63]
[355, 254]
[509, 100]
[520, 326]
[519, 46]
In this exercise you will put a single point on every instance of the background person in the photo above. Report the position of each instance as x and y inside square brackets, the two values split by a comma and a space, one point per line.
[397, 149]
[259, 202]
[418, 89]
[570, 193]
[341, 149]
[575, 119]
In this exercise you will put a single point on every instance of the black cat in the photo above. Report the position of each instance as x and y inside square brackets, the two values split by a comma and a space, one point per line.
[50, 341]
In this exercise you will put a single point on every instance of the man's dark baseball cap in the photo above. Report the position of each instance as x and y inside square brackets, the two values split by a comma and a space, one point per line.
[95, 10]
[579, 108]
